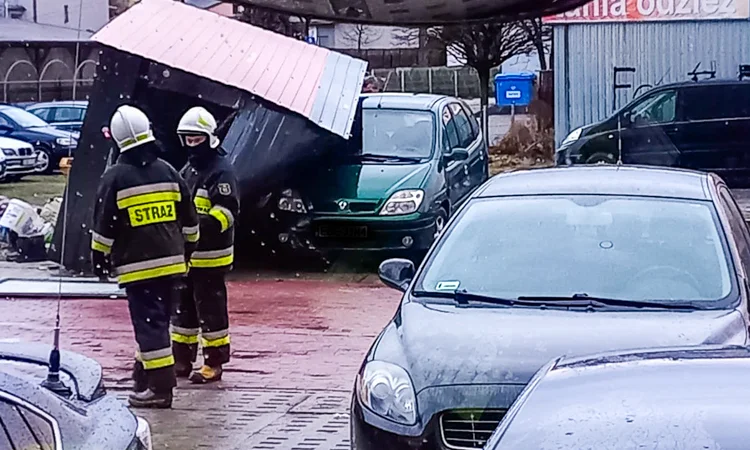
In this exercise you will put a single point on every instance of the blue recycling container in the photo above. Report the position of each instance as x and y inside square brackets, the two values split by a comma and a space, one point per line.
[514, 88]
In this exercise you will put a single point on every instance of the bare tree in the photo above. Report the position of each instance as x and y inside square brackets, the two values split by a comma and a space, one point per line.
[271, 20]
[405, 37]
[540, 36]
[362, 35]
[484, 46]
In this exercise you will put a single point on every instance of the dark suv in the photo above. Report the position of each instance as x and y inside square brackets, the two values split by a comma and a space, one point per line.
[702, 125]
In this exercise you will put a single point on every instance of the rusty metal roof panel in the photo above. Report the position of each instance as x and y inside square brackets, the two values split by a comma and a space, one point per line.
[321, 85]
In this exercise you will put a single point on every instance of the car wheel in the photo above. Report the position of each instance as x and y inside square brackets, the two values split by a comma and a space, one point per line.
[12, 178]
[601, 158]
[440, 221]
[45, 161]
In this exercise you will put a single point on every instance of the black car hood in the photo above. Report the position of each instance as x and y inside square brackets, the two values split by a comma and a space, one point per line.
[443, 345]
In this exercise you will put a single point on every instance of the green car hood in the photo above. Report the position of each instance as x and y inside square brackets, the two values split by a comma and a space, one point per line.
[363, 188]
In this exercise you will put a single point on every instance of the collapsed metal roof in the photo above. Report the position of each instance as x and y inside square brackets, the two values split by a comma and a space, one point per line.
[321, 85]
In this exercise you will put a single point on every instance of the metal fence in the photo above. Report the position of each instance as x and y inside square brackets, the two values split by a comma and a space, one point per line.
[458, 82]
[37, 86]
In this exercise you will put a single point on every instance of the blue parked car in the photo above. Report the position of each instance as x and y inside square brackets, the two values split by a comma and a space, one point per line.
[50, 143]
[66, 116]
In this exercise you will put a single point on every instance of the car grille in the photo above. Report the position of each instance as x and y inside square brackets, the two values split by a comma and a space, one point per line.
[25, 152]
[469, 428]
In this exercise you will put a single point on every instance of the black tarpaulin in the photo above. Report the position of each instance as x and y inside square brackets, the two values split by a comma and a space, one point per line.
[265, 142]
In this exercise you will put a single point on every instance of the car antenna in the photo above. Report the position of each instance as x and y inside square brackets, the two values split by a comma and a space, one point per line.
[53, 382]
[619, 140]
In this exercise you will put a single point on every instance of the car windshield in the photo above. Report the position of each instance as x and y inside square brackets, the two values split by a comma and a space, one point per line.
[397, 133]
[629, 248]
[24, 118]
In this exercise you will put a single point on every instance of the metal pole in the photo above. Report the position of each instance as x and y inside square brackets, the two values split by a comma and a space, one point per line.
[455, 83]
[429, 79]
[403, 84]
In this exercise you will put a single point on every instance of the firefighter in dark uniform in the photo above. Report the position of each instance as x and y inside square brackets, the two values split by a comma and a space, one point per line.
[202, 314]
[145, 228]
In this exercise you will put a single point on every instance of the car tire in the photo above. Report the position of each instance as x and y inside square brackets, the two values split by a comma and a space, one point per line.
[12, 178]
[601, 158]
[45, 155]
[440, 221]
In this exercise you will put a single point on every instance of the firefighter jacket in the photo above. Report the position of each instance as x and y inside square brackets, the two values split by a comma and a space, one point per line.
[214, 187]
[144, 219]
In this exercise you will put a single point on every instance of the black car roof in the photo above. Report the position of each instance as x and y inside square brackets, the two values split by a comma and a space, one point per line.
[423, 102]
[600, 179]
[711, 82]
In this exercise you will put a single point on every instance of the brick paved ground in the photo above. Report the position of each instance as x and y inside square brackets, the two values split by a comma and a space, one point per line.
[296, 347]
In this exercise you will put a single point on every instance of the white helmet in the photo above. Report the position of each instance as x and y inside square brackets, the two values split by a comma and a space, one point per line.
[197, 120]
[130, 128]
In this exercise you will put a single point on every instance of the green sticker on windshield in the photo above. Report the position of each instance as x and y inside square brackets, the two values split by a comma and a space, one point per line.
[447, 285]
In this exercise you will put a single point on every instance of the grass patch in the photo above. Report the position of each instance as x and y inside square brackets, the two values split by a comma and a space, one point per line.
[35, 189]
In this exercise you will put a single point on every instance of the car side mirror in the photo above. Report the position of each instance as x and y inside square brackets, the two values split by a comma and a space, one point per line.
[457, 154]
[396, 273]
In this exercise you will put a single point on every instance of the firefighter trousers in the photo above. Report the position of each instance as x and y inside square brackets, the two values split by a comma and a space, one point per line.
[202, 315]
[150, 303]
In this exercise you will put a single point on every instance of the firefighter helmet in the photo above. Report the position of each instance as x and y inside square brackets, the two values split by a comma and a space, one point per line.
[198, 120]
[130, 128]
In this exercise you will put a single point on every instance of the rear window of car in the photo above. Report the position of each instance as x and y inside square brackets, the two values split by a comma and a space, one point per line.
[716, 101]
[21, 428]
[615, 247]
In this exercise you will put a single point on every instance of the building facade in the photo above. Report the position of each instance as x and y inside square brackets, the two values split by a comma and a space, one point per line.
[662, 40]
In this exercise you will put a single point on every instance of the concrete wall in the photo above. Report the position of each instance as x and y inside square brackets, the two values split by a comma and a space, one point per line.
[661, 52]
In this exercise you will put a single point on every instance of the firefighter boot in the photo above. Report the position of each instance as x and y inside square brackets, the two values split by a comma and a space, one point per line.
[140, 378]
[183, 369]
[206, 374]
[151, 399]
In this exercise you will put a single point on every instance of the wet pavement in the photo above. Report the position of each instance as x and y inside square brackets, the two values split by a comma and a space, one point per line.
[296, 348]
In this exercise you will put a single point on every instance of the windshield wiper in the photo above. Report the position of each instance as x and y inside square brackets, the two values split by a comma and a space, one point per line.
[377, 157]
[584, 299]
[464, 297]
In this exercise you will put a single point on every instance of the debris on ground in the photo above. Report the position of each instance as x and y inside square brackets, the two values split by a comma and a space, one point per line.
[26, 231]
[524, 146]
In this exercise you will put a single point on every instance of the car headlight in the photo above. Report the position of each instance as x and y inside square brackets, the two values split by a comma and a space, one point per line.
[403, 202]
[387, 390]
[8, 151]
[66, 142]
[291, 201]
[572, 137]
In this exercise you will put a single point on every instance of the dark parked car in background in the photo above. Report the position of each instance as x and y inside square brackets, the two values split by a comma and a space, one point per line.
[67, 116]
[542, 263]
[411, 161]
[32, 416]
[50, 143]
[702, 125]
[680, 398]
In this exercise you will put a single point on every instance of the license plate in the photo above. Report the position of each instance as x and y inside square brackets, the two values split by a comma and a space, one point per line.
[342, 231]
[29, 162]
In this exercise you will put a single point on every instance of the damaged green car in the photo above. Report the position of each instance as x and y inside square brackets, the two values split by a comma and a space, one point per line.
[416, 157]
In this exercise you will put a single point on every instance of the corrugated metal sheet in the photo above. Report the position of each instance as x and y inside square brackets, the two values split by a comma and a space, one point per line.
[661, 52]
[321, 85]
[17, 30]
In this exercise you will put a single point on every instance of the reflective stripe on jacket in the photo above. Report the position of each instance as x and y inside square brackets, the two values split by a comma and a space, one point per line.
[144, 219]
[217, 201]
